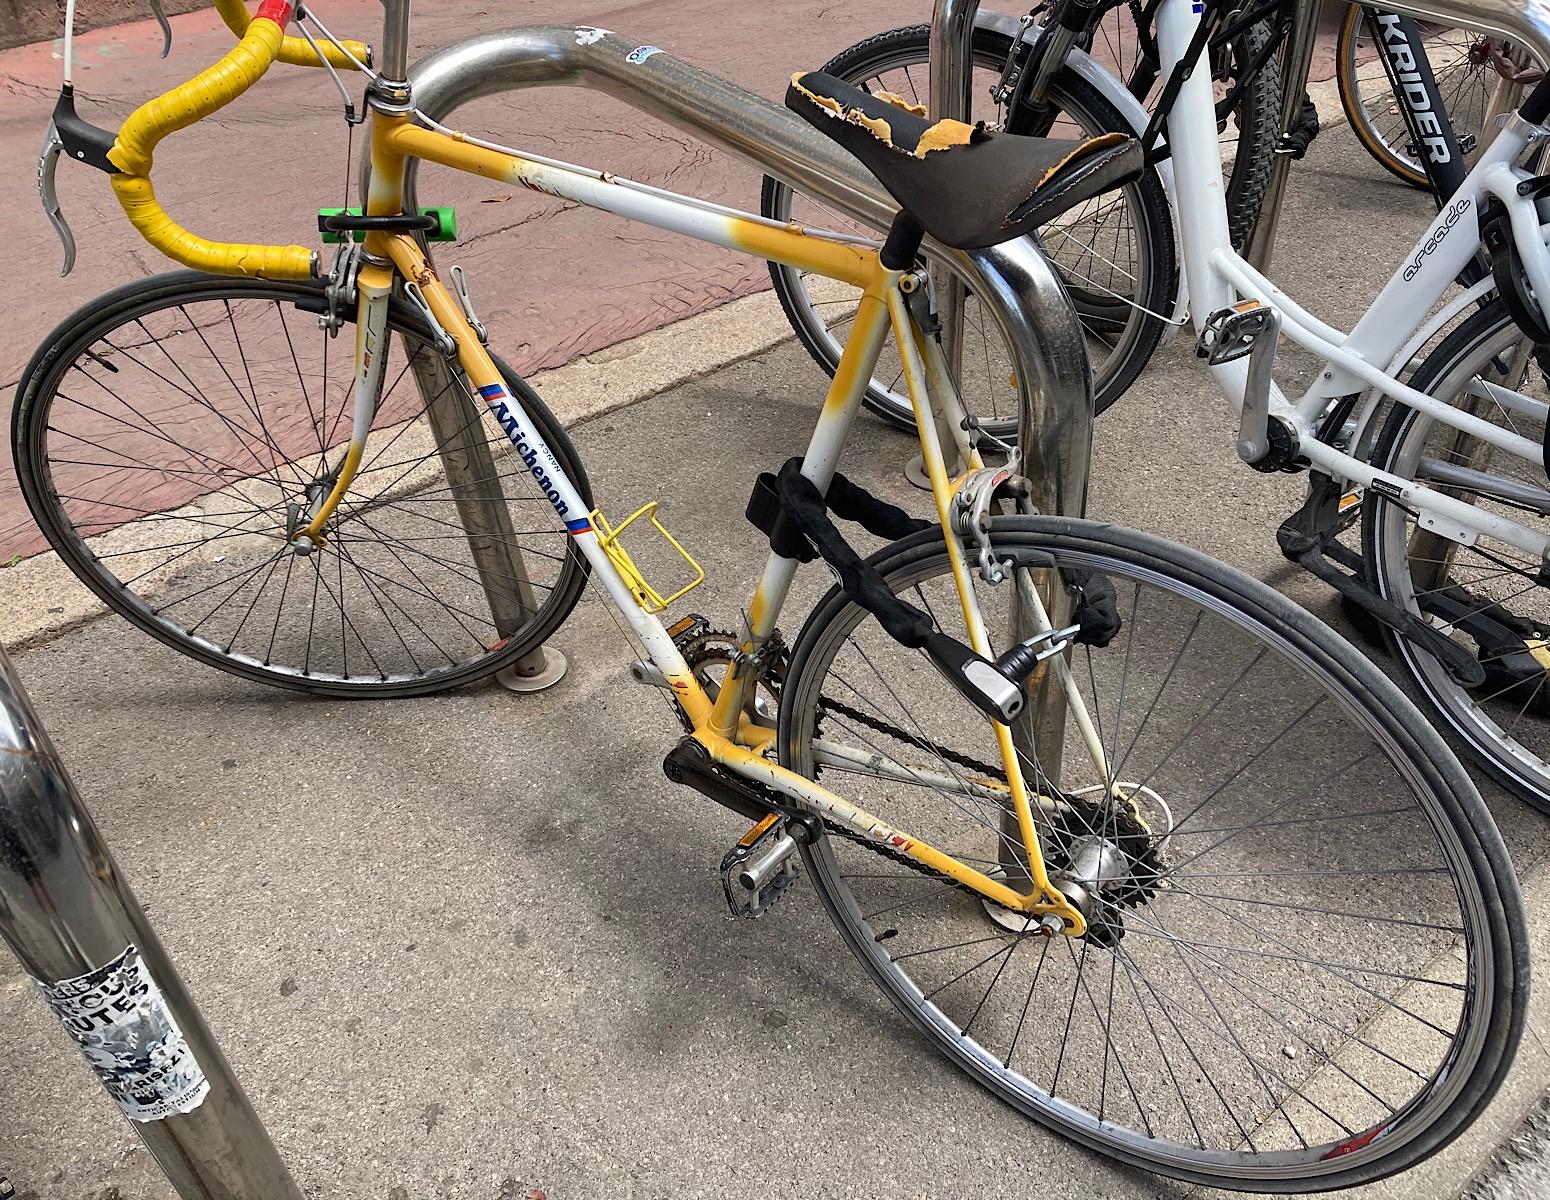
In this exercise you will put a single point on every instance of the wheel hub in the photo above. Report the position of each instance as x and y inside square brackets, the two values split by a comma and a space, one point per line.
[1104, 857]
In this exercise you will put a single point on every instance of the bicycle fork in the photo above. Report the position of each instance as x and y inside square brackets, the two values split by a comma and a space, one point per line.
[374, 287]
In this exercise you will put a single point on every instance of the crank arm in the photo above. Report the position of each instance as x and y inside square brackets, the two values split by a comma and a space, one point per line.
[48, 164]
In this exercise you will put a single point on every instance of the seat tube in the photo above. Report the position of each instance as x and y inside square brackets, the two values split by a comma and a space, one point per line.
[843, 401]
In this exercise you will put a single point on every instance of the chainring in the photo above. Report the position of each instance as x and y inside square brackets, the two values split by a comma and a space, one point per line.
[705, 648]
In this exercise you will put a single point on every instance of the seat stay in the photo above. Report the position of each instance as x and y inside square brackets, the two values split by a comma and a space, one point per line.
[909, 338]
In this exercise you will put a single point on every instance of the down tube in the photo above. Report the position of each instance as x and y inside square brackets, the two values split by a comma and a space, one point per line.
[547, 473]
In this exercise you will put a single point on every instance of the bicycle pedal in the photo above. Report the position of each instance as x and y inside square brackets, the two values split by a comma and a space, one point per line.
[1251, 329]
[1230, 333]
[1349, 511]
[687, 628]
[758, 870]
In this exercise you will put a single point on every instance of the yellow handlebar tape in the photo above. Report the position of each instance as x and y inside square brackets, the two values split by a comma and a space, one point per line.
[210, 90]
[294, 51]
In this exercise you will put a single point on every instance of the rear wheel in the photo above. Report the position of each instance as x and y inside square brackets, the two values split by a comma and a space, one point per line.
[1305, 965]
[168, 435]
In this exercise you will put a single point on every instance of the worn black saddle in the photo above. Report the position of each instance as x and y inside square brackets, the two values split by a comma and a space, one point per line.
[963, 184]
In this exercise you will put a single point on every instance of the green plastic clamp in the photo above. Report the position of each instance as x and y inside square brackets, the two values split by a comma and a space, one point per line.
[445, 231]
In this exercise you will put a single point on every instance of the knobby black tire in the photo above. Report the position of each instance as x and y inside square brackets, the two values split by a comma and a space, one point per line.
[139, 300]
[1258, 117]
[1478, 860]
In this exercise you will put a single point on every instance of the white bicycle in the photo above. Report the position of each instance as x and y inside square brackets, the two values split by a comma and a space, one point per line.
[1453, 471]
[1442, 439]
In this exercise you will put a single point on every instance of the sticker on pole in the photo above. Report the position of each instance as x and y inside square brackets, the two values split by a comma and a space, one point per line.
[119, 1018]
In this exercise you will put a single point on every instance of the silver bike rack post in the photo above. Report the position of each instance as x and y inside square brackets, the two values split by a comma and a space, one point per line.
[1040, 733]
[1014, 281]
[472, 477]
[474, 481]
[949, 73]
[79, 932]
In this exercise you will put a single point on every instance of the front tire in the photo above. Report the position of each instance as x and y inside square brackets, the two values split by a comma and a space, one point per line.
[1506, 727]
[167, 436]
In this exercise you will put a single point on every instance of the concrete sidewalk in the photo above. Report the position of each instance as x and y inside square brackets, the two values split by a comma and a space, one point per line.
[474, 945]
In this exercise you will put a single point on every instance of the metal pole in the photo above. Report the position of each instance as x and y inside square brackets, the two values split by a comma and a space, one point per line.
[476, 489]
[1296, 59]
[1014, 281]
[950, 74]
[80, 933]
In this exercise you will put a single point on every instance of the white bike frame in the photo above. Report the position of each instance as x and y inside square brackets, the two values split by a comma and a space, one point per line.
[1371, 355]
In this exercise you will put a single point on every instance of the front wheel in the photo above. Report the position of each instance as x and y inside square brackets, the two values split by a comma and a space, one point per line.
[169, 436]
[1465, 80]
[1305, 966]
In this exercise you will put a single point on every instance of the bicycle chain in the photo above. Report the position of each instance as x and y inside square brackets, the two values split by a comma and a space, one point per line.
[702, 648]
[1127, 822]
[877, 725]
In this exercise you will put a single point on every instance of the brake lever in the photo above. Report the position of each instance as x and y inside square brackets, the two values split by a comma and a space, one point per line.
[48, 163]
[166, 27]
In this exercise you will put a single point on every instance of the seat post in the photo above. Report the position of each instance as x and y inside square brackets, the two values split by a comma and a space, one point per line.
[903, 243]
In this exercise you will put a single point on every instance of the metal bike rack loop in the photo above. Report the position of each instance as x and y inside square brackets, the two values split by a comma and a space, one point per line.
[949, 74]
[69, 916]
[1014, 281]
[1296, 61]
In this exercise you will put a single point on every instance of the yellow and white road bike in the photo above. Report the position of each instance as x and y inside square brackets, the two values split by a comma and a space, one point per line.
[1136, 843]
